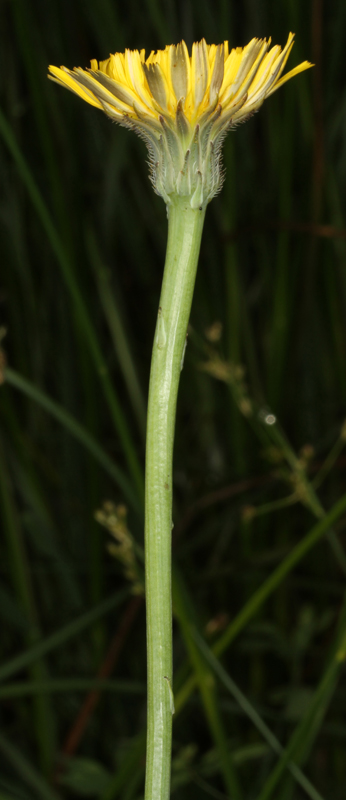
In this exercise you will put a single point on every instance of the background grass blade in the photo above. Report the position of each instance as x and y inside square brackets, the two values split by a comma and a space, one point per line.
[75, 428]
[79, 307]
[27, 772]
[59, 637]
[255, 717]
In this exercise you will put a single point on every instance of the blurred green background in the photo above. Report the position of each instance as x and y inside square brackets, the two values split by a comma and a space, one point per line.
[259, 441]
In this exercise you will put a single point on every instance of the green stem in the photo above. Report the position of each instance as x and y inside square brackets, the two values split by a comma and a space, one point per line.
[185, 227]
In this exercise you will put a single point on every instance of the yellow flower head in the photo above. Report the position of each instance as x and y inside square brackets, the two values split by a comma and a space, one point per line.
[183, 105]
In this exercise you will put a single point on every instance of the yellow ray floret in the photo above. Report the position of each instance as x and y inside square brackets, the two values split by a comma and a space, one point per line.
[181, 104]
[129, 83]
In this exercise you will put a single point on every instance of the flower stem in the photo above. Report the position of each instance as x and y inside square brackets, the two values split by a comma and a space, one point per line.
[185, 227]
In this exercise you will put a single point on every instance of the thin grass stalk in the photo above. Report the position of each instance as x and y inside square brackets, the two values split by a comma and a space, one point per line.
[117, 331]
[77, 430]
[251, 712]
[272, 432]
[28, 773]
[59, 637]
[233, 296]
[27, 486]
[206, 685]
[125, 772]
[282, 278]
[65, 685]
[80, 309]
[26, 32]
[265, 590]
[43, 718]
[305, 733]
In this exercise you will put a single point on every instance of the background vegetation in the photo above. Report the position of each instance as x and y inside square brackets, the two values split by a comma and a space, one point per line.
[259, 576]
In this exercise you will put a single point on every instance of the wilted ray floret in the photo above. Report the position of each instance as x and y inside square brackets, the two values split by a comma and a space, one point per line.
[183, 106]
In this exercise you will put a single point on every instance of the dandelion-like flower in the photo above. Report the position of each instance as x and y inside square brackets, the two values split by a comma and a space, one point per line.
[183, 106]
